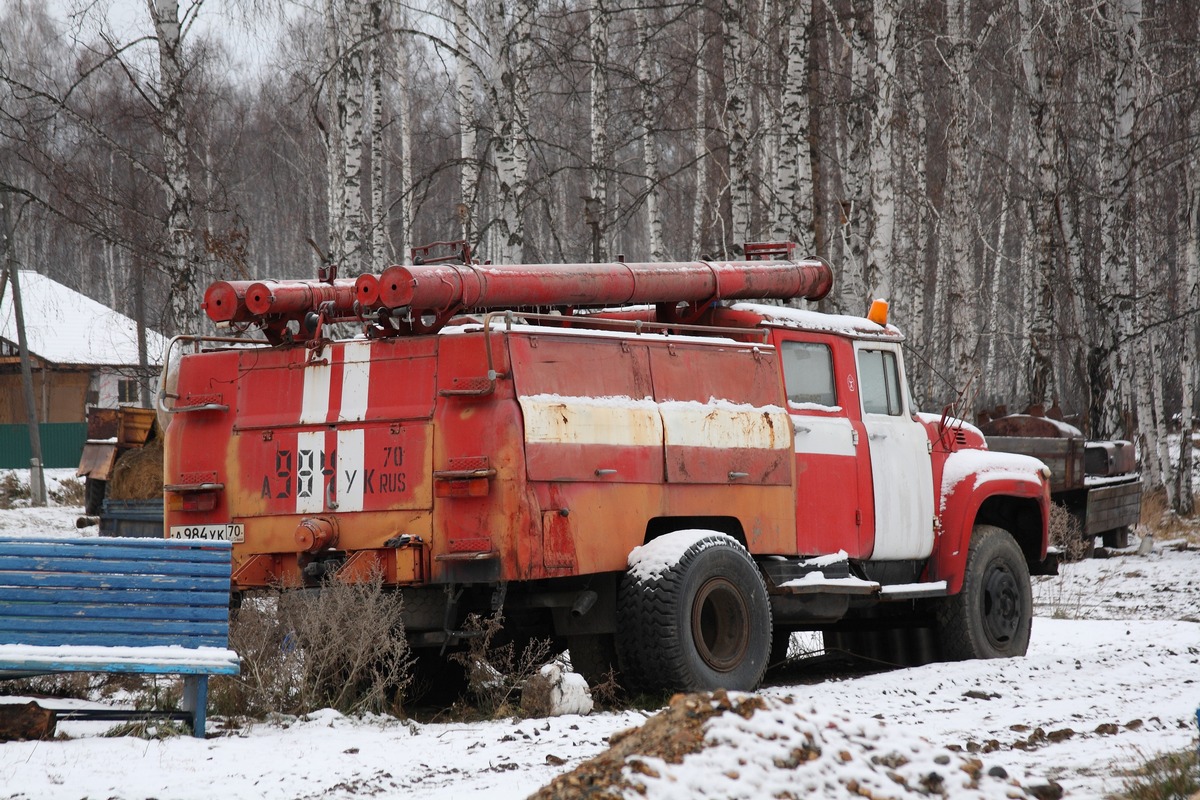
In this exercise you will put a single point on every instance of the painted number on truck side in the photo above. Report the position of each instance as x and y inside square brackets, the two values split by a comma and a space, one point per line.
[302, 471]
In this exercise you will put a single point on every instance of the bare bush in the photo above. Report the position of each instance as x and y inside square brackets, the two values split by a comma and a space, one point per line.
[497, 671]
[1067, 535]
[69, 492]
[12, 490]
[340, 647]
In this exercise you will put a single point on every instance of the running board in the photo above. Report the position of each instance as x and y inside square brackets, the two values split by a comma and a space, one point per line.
[913, 591]
[817, 583]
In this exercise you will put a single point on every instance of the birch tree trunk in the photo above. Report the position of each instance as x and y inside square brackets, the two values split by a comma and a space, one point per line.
[880, 257]
[793, 175]
[510, 104]
[596, 208]
[1185, 502]
[405, 190]
[858, 215]
[332, 137]
[700, 143]
[464, 82]
[654, 223]
[955, 264]
[1042, 156]
[1117, 209]
[380, 254]
[179, 242]
[350, 120]
[735, 36]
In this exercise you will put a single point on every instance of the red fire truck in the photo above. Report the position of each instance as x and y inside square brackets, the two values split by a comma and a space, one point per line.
[629, 458]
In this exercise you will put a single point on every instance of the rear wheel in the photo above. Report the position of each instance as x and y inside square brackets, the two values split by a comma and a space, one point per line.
[992, 616]
[696, 621]
[93, 496]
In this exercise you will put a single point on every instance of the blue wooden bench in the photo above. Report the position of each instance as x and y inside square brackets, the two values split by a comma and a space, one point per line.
[151, 606]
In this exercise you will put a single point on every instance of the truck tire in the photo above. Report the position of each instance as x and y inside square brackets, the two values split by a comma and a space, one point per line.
[701, 623]
[991, 617]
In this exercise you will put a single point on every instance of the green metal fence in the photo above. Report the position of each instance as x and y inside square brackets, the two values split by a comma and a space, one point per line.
[62, 444]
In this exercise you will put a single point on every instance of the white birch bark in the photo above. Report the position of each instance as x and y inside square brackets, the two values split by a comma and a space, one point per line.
[654, 222]
[793, 174]
[597, 202]
[1185, 494]
[1117, 208]
[179, 242]
[332, 137]
[380, 251]
[350, 121]
[736, 121]
[880, 256]
[464, 82]
[1000, 270]
[858, 217]
[405, 189]
[1156, 347]
[510, 104]
[955, 265]
[1041, 155]
[700, 150]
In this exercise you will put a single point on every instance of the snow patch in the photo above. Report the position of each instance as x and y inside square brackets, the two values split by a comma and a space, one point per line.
[985, 466]
[841, 324]
[658, 555]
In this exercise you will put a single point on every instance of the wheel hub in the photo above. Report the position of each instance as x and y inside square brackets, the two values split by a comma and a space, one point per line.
[720, 624]
[1001, 605]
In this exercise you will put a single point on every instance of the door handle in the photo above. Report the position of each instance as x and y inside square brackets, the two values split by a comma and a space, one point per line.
[734, 476]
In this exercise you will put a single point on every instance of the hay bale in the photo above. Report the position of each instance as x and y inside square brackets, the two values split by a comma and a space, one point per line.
[138, 474]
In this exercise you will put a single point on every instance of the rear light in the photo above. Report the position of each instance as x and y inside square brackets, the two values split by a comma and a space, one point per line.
[199, 501]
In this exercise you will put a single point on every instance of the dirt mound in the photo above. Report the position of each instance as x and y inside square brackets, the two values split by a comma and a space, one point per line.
[138, 474]
[747, 746]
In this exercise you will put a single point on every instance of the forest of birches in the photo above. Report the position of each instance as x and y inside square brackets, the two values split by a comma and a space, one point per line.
[1018, 178]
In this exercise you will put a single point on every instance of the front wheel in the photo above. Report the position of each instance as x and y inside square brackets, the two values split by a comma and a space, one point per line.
[993, 614]
[694, 615]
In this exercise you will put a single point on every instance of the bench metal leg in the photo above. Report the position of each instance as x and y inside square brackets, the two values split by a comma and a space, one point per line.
[195, 701]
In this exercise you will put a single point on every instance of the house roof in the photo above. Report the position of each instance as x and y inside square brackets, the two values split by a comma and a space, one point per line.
[65, 327]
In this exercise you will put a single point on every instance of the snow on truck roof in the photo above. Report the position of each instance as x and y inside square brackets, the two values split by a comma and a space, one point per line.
[840, 324]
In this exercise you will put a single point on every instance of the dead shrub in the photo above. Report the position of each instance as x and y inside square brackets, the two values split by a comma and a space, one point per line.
[1067, 535]
[341, 646]
[11, 489]
[68, 493]
[497, 670]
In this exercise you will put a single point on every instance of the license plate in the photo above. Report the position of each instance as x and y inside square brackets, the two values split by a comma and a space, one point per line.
[229, 532]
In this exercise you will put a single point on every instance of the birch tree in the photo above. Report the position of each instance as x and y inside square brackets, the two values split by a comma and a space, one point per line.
[464, 76]
[792, 217]
[649, 108]
[1117, 209]
[511, 37]
[596, 207]
[736, 119]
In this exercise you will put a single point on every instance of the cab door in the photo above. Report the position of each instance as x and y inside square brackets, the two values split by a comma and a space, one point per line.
[818, 377]
[901, 471]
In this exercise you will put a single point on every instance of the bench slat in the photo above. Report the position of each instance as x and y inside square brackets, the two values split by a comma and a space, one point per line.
[129, 598]
[10, 562]
[85, 581]
[160, 546]
[29, 608]
[164, 626]
[23, 669]
[50, 638]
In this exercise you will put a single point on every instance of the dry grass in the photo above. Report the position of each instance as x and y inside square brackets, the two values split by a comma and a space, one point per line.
[1159, 520]
[69, 492]
[1168, 776]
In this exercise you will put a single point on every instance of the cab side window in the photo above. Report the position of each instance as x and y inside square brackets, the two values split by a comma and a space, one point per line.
[879, 378]
[808, 373]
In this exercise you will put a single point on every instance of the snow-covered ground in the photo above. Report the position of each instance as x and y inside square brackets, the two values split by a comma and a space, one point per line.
[1111, 678]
